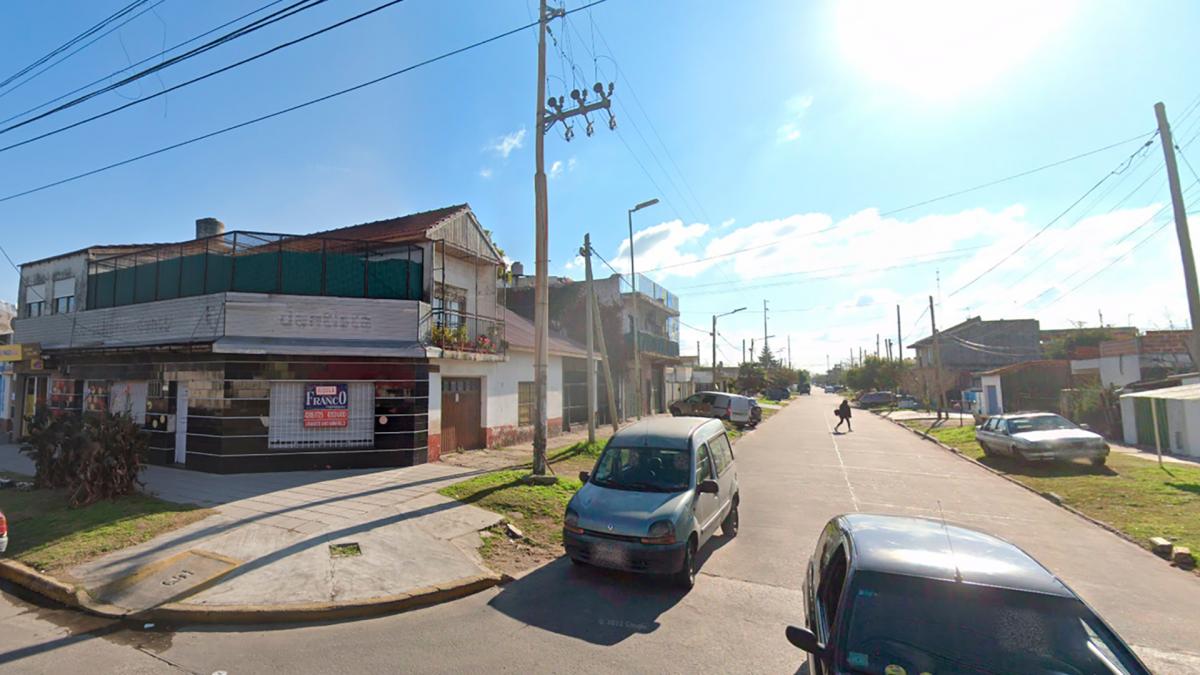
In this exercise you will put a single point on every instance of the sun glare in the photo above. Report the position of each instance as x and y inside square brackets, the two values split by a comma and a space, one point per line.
[942, 48]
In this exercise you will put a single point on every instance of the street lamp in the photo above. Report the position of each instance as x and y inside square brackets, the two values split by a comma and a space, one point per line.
[637, 343]
[714, 342]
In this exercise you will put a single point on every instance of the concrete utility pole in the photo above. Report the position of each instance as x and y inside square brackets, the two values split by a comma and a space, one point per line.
[789, 348]
[899, 338]
[714, 343]
[937, 360]
[877, 345]
[743, 350]
[548, 113]
[1181, 229]
[586, 252]
[609, 386]
[637, 340]
[765, 343]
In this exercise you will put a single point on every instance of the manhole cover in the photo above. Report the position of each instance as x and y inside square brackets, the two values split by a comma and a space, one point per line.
[347, 550]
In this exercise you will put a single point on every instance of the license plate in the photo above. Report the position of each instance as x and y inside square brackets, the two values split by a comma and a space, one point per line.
[608, 554]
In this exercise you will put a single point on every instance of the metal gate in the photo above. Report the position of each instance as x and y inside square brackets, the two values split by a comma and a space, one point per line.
[287, 428]
[462, 404]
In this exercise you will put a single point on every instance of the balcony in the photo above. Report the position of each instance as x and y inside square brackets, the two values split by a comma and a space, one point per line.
[466, 336]
[654, 344]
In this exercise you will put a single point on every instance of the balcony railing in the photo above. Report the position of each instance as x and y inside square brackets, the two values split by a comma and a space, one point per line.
[462, 332]
[655, 344]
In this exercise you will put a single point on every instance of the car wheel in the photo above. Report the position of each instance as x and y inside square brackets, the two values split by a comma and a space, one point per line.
[1099, 461]
[987, 450]
[729, 526]
[685, 578]
[577, 561]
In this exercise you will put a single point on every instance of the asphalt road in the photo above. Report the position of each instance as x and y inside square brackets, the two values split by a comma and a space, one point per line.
[794, 474]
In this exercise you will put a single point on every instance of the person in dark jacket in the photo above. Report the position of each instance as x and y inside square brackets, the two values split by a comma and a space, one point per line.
[843, 413]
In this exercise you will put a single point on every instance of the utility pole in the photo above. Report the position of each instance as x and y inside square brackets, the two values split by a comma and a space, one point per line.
[877, 345]
[937, 360]
[899, 338]
[1181, 228]
[586, 252]
[609, 386]
[714, 353]
[826, 364]
[765, 345]
[1101, 313]
[637, 340]
[743, 350]
[789, 348]
[549, 112]
[753, 358]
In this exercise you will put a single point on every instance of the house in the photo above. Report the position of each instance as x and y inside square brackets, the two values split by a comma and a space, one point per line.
[9, 353]
[1166, 418]
[975, 345]
[1151, 356]
[363, 346]
[658, 336]
[1032, 385]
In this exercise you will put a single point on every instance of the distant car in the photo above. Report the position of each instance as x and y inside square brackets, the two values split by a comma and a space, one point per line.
[907, 403]
[3, 533]
[876, 399]
[891, 595]
[777, 394]
[732, 407]
[1040, 437]
[805, 389]
[658, 492]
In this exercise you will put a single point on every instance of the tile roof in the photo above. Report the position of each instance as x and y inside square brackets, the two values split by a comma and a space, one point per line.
[519, 332]
[412, 226]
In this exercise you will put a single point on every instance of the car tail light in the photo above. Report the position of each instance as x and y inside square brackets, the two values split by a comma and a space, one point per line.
[3, 525]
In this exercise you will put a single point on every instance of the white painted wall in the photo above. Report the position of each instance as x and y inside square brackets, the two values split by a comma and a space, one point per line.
[499, 387]
[478, 280]
[70, 267]
[1191, 415]
[1118, 371]
[1128, 421]
[1085, 365]
[1176, 426]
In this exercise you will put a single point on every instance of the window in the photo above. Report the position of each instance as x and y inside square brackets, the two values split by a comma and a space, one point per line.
[287, 429]
[829, 593]
[453, 301]
[703, 467]
[35, 300]
[642, 469]
[64, 296]
[37, 308]
[525, 396]
[722, 453]
[64, 305]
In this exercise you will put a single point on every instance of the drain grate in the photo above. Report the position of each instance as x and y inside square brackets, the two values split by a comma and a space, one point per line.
[346, 550]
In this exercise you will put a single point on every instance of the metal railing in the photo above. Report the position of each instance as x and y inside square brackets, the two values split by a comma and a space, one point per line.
[257, 262]
[656, 344]
[463, 332]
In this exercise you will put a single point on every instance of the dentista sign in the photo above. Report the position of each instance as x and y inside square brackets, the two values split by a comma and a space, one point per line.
[326, 405]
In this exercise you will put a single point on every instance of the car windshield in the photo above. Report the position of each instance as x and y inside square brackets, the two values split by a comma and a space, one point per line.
[643, 469]
[902, 624]
[1018, 425]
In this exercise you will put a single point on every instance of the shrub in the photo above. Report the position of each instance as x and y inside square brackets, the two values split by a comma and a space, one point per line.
[98, 457]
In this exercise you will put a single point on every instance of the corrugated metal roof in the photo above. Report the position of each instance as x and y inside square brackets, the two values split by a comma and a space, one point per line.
[1181, 393]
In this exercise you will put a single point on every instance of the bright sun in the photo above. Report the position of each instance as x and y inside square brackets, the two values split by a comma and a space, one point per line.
[941, 48]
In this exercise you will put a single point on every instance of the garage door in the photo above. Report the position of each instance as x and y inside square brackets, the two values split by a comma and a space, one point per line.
[462, 405]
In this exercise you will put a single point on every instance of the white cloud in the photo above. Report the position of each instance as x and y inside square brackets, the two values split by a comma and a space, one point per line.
[504, 145]
[571, 164]
[485, 172]
[725, 224]
[795, 108]
[660, 245]
[556, 168]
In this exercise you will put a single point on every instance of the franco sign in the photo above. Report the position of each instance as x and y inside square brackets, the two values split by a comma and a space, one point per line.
[326, 405]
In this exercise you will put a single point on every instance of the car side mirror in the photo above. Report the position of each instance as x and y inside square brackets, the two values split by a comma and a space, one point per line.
[708, 486]
[583, 476]
[1085, 427]
[805, 640]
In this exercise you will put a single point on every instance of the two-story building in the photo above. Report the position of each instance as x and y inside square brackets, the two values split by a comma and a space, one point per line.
[246, 351]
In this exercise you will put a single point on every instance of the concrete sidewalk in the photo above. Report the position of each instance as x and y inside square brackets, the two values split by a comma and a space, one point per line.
[268, 545]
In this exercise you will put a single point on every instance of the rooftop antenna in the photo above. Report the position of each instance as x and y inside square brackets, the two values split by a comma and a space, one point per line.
[949, 542]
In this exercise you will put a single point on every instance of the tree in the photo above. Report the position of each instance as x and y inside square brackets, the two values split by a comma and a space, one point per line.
[766, 359]
[877, 373]
[751, 377]
[1087, 337]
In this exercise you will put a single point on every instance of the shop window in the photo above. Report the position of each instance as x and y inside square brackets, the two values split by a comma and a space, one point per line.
[65, 396]
[129, 398]
[525, 397]
[95, 398]
[287, 424]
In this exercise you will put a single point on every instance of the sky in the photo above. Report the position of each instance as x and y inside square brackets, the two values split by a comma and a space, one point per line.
[784, 140]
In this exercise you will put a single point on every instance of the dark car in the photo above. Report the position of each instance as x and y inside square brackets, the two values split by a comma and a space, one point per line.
[892, 594]
[804, 389]
[731, 407]
[877, 399]
[777, 394]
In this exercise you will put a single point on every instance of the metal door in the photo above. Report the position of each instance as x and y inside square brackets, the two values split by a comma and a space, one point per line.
[462, 405]
[993, 405]
[181, 419]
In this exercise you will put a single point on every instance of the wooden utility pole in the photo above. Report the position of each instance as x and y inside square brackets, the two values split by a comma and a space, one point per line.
[877, 345]
[743, 350]
[586, 252]
[937, 360]
[609, 385]
[1181, 229]
[765, 343]
[714, 353]
[549, 112]
[789, 348]
[899, 338]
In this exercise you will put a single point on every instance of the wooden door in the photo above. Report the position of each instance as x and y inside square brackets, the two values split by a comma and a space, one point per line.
[462, 404]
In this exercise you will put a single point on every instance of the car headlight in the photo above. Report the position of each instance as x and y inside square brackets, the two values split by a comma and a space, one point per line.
[661, 532]
[571, 522]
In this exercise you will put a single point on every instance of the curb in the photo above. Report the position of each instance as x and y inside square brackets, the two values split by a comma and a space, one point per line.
[1048, 496]
[183, 613]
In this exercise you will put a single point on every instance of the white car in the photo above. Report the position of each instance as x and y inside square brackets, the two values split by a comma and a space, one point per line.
[1040, 437]
[3, 533]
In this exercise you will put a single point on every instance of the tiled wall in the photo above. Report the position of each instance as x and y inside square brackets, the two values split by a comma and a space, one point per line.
[229, 407]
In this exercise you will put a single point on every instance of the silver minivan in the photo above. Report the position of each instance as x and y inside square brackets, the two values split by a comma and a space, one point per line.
[658, 492]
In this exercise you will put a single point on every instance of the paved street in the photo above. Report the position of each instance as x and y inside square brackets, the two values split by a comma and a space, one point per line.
[794, 475]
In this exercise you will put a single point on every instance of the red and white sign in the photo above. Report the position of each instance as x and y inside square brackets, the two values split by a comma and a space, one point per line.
[326, 405]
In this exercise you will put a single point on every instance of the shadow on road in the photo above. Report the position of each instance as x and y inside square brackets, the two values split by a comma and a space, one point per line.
[1046, 469]
[603, 607]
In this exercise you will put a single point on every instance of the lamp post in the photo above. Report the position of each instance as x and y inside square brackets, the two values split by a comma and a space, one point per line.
[714, 345]
[637, 343]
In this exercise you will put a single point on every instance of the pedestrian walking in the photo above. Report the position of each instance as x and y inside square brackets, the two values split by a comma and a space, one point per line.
[843, 413]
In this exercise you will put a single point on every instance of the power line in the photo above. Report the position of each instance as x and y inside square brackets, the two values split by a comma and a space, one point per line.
[284, 111]
[1124, 165]
[73, 41]
[138, 63]
[82, 47]
[258, 24]
[1015, 176]
[1116, 260]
